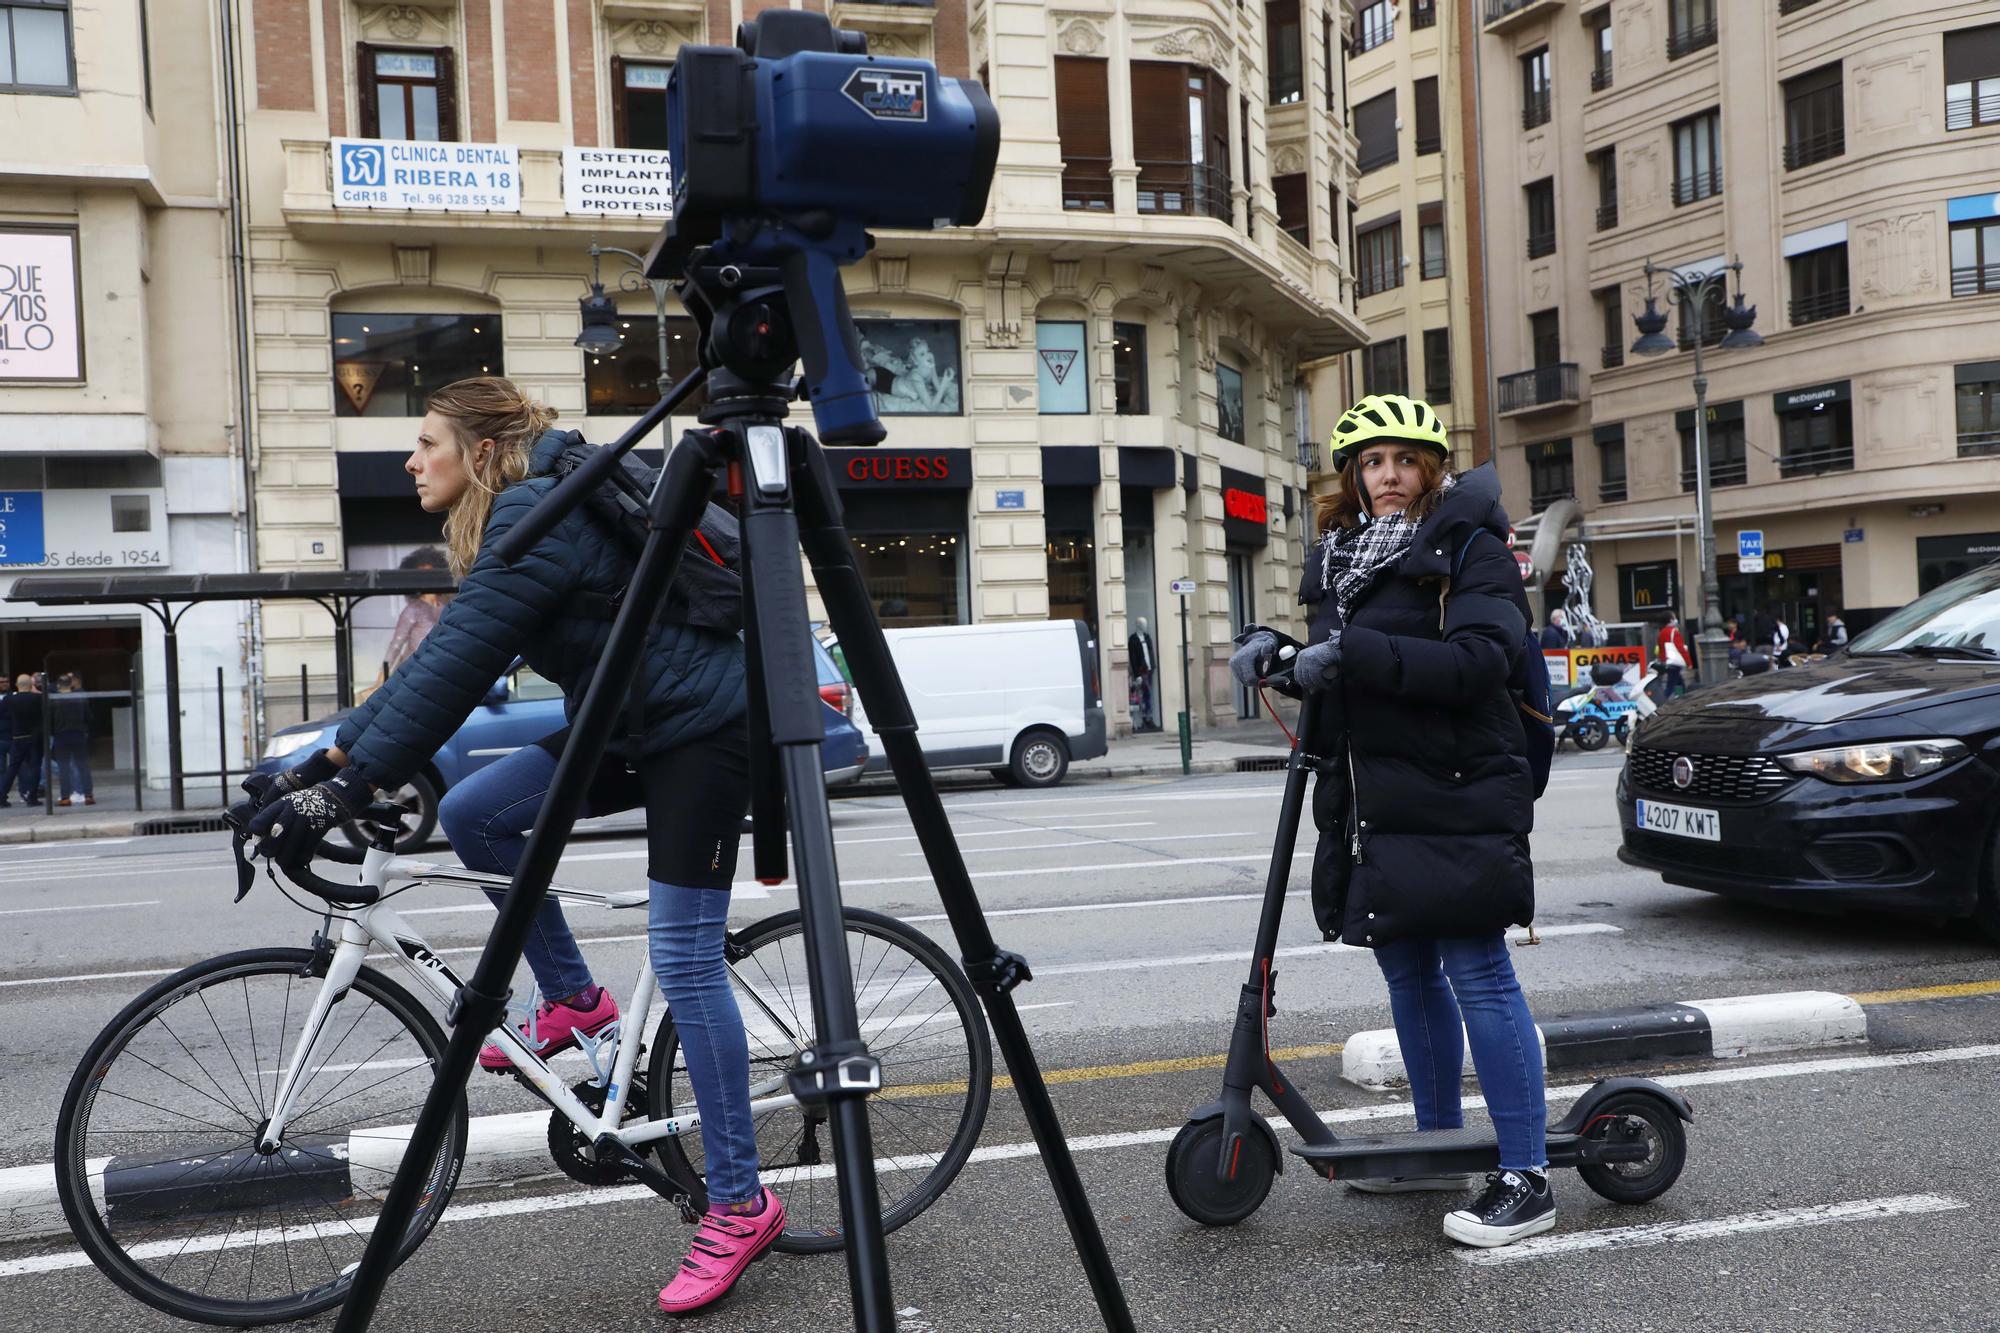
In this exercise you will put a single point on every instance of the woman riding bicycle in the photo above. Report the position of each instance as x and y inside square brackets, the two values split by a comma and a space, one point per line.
[480, 459]
[1424, 813]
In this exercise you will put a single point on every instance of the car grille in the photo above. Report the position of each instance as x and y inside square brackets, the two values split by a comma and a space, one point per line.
[1733, 860]
[1717, 777]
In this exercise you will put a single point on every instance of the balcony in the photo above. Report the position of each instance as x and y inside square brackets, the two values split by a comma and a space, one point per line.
[1613, 355]
[1541, 389]
[1793, 6]
[1541, 243]
[1979, 444]
[1611, 492]
[1309, 456]
[1975, 280]
[1600, 77]
[1701, 185]
[1535, 110]
[1506, 15]
[1542, 496]
[1686, 41]
[1813, 462]
[1086, 184]
[1817, 306]
[1721, 472]
[1818, 148]
[1187, 188]
[1607, 216]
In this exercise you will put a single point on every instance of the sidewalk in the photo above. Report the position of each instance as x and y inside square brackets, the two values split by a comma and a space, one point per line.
[114, 816]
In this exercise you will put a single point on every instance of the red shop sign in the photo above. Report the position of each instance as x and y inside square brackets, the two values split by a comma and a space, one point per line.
[1246, 505]
[870, 466]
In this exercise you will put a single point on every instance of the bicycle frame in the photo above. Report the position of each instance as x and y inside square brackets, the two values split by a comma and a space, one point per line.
[379, 925]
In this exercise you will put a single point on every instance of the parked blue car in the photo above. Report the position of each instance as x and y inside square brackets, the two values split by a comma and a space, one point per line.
[521, 710]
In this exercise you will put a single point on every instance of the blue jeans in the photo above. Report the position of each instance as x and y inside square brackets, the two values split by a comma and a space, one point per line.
[1444, 992]
[684, 932]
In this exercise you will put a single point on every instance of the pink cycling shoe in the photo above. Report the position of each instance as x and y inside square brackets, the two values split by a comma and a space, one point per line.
[724, 1246]
[557, 1025]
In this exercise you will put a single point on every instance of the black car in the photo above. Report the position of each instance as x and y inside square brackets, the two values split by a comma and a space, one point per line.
[1864, 780]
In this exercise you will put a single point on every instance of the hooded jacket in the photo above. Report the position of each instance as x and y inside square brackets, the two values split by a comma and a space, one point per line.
[1421, 724]
[691, 683]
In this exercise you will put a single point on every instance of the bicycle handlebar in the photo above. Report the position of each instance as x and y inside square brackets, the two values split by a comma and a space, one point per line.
[344, 895]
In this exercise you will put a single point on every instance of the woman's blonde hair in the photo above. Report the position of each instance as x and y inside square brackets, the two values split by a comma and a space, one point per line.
[486, 407]
[1344, 506]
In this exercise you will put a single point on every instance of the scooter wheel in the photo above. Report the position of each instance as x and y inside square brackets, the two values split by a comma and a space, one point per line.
[1647, 1119]
[1201, 1191]
[1591, 733]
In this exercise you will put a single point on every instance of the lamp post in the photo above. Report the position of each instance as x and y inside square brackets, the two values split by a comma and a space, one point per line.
[1692, 291]
[600, 335]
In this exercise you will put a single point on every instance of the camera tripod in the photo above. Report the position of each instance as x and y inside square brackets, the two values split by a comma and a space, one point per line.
[784, 488]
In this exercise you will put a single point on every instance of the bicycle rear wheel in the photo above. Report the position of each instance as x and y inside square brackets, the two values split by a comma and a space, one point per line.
[919, 1017]
[157, 1158]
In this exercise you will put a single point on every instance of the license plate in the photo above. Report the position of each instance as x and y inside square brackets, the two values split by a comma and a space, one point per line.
[1680, 821]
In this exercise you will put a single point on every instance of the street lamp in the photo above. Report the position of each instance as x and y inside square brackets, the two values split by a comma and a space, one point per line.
[600, 336]
[1692, 291]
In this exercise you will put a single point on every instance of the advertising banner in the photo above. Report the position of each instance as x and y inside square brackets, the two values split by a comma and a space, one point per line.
[428, 176]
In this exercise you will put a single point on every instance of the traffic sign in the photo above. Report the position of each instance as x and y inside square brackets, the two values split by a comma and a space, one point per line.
[1182, 587]
[1750, 550]
[1527, 564]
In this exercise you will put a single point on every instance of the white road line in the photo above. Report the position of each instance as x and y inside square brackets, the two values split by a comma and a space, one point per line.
[78, 907]
[1006, 1152]
[1158, 863]
[1665, 1233]
[1113, 907]
[136, 872]
[1108, 842]
[1256, 793]
[91, 976]
[1240, 957]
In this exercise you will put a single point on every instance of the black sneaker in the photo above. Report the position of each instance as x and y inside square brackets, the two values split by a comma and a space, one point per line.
[1516, 1205]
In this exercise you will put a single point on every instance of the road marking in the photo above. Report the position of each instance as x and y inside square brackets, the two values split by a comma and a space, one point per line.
[136, 872]
[1295, 951]
[1004, 1152]
[1158, 863]
[1119, 906]
[91, 976]
[1955, 991]
[1664, 1233]
[1113, 842]
[1187, 1064]
[78, 907]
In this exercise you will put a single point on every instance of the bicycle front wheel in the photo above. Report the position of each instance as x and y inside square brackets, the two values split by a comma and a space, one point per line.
[919, 1017]
[157, 1150]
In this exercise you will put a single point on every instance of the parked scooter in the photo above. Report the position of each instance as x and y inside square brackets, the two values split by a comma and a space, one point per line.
[1608, 707]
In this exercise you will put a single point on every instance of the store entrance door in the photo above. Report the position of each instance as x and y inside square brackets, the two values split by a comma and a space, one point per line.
[1242, 610]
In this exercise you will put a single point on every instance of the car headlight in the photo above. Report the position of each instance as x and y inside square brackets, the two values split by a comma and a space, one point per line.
[291, 742]
[1884, 761]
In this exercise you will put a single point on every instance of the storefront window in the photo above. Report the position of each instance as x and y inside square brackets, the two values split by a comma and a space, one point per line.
[386, 365]
[912, 579]
[626, 382]
[1060, 374]
[912, 364]
[1073, 578]
[1819, 439]
[1229, 402]
[1128, 368]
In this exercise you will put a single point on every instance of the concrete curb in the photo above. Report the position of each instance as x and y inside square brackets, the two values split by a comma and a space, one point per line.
[1720, 1029]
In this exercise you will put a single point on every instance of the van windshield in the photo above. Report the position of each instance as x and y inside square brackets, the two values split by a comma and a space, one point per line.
[1964, 614]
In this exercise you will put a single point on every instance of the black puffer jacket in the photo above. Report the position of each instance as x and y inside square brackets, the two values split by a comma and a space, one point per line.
[1422, 724]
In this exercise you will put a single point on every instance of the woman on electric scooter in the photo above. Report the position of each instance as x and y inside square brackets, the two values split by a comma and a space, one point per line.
[1424, 810]
[480, 457]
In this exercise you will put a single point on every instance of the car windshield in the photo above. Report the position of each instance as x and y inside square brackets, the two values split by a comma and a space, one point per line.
[1964, 613]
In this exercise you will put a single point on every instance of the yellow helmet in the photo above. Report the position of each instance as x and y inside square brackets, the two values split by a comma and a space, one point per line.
[1386, 416]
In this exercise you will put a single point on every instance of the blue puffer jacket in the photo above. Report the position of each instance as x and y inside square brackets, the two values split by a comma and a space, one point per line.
[691, 682]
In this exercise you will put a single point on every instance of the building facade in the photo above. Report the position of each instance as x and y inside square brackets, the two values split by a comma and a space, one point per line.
[120, 407]
[1848, 152]
[1094, 393]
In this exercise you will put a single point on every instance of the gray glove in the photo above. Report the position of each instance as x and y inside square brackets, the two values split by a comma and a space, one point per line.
[1256, 655]
[1318, 665]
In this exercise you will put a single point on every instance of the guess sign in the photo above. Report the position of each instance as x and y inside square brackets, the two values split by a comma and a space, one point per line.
[905, 469]
[1246, 505]
[899, 467]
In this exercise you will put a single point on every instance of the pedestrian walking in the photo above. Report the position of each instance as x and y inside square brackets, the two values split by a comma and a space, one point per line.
[483, 458]
[1555, 634]
[1781, 641]
[1417, 613]
[1671, 651]
[1834, 637]
[24, 760]
[69, 740]
[1764, 633]
[6, 734]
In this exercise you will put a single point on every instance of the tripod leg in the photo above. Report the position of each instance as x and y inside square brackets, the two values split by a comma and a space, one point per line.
[767, 793]
[838, 1070]
[994, 972]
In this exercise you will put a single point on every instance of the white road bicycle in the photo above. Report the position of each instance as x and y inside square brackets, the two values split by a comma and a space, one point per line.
[222, 1144]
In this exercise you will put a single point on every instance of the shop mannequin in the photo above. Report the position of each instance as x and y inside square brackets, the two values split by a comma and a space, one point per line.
[1143, 664]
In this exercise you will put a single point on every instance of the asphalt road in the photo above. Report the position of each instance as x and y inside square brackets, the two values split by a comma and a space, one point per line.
[1829, 1190]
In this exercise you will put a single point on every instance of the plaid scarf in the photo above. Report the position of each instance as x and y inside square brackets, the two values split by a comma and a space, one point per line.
[1352, 558]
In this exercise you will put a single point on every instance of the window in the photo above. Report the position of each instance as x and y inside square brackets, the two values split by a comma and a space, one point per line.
[1610, 308]
[1061, 377]
[385, 365]
[1975, 257]
[1819, 284]
[627, 382]
[1437, 365]
[1541, 196]
[146, 55]
[131, 513]
[1707, 316]
[1599, 25]
[1690, 26]
[1545, 336]
[1249, 212]
[35, 47]
[1972, 77]
[1379, 249]
[1819, 439]
[1228, 402]
[639, 103]
[1423, 14]
[1610, 463]
[1290, 189]
[1430, 240]
[1551, 474]
[1128, 367]
[1378, 24]
[1535, 101]
[1815, 125]
[1083, 125]
[1978, 409]
[1605, 162]
[1385, 367]
[407, 94]
[1728, 459]
[1180, 136]
[1375, 129]
[1284, 52]
[1698, 157]
[1327, 66]
[1430, 138]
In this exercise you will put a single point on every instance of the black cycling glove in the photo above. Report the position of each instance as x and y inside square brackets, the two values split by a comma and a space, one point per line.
[290, 827]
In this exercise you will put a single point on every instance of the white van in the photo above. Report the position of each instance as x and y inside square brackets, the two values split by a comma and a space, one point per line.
[1021, 698]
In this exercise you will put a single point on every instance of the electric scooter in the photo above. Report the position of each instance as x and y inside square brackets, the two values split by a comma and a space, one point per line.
[1624, 1136]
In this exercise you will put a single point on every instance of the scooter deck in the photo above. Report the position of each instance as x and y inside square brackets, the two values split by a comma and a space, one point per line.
[1434, 1153]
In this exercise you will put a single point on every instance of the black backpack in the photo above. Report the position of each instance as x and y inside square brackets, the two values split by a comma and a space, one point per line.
[1528, 684]
[707, 590]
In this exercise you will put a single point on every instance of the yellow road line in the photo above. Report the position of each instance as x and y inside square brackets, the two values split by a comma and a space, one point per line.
[1954, 991]
[1139, 1069]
